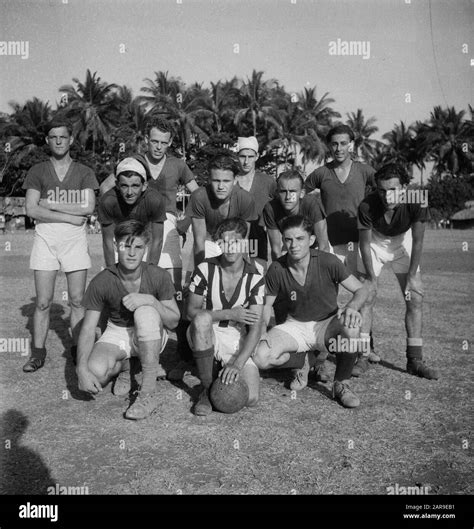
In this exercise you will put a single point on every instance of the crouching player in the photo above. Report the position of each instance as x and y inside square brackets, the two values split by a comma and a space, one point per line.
[141, 307]
[308, 279]
[392, 228]
[233, 290]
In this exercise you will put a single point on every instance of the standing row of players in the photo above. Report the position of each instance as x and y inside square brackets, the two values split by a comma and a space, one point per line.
[227, 310]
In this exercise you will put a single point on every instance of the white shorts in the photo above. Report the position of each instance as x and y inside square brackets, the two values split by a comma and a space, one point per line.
[125, 338]
[309, 335]
[171, 250]
[70, 254]
[227, 342]
[347, 254]
[394, 250]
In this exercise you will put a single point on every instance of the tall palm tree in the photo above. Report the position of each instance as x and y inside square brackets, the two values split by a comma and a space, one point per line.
[297, 130]
[93, 108]
[318, 111]
[168, 97]
[160, 92]
[23, 131]
[184, 115]
[400, 146]
[130, 130]
[364, 146]
[448, 138]
[219, 103]
[256, 107]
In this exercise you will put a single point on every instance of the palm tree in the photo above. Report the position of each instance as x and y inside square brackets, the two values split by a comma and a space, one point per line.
[256, 107]
[296, 131]
[218, 104]
[93, 107]
[128, 136]
[318, 111]
[401, 146]
[23, 131]
[364, 147]
[184, 115]
[447, 137]
[161, 92]
[169, 98]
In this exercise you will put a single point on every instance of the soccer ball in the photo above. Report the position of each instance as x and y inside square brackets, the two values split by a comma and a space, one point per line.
[229, 398]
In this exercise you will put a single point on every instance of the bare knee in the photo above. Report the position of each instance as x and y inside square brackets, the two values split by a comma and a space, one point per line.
[75, 302]
[98, 368]
[263, 355]
[148, 323]
[44, 305]
[201, 323]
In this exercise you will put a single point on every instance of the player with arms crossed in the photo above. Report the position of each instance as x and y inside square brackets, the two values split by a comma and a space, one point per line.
[139, 298]
[343, 183]
[309, 280]
[59, 196]
[392, 231]
[234, 292]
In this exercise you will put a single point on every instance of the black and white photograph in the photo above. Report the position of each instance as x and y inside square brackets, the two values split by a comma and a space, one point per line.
[236, 263]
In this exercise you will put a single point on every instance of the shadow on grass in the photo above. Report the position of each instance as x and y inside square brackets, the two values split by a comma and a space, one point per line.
[23, 470]
[391, 366]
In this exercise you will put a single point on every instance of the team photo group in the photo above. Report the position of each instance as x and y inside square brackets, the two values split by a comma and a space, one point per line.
[283, 272]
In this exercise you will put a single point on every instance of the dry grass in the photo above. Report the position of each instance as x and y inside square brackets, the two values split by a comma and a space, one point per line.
[307, 444]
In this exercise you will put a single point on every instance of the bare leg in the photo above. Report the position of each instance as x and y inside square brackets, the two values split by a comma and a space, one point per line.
[44, 285]
[251, 376]
[76, 284]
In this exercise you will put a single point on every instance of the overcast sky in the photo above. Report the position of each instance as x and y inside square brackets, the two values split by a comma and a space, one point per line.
[290, 40]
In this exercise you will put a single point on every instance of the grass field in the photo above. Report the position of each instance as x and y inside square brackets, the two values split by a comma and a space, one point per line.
[407, 431]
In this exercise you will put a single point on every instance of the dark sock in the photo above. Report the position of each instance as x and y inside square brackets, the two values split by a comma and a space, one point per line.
[414, 352]
[39, 353]
[185, 352]
[205, 363]
[344, 365]
[371, 341]
[296, 361]
[74, 354]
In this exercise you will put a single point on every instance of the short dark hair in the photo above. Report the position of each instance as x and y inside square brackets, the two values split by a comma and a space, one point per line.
[129, 229]
[224, 162]
[296, 221]
[292, 174]
[232, 224]
[392, 170]
[56, 123]
[159, 123]
[340, 129]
